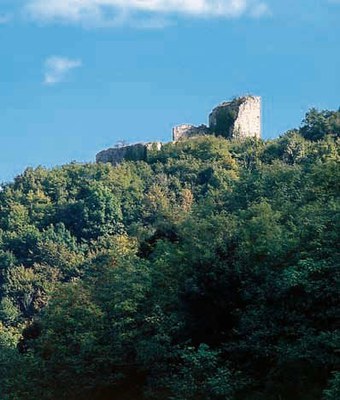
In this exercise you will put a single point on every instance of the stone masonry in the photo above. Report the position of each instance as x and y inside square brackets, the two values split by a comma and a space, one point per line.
[133, 152]
[239, 118]
[188, 131]
[117, 155]
[248, 122]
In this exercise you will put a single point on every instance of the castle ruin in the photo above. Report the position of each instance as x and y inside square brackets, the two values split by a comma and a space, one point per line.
[186, 131]
[239, 118]
[133, 152]
[236, 119]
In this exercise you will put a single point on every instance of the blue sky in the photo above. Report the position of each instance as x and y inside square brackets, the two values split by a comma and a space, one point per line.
[76, 76]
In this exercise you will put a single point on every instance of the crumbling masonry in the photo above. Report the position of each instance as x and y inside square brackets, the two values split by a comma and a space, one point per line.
[239, 118]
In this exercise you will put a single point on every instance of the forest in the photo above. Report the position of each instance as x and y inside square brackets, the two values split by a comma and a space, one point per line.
[210, 271]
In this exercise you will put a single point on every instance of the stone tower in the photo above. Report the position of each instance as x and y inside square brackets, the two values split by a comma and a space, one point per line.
[239, 118]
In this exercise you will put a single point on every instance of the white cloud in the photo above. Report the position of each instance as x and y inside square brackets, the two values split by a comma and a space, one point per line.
[107, 12]
[57, 68]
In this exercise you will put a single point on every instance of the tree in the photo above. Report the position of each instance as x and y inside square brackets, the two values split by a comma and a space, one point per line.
[318, 124]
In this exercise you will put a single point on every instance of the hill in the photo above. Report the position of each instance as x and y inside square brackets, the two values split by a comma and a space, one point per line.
[209, 271]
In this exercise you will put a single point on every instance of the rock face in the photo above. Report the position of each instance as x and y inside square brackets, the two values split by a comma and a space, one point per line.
[240, 118]
[187, 131]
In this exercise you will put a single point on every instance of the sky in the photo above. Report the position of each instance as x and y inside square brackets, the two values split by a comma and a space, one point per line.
[77, 76]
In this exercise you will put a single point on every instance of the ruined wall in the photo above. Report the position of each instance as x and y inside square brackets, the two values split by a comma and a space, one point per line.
[116, 155]
[154, 146]
[134, 152]
[222, 118]
[238, 118]
[186, 131]
[248, 122]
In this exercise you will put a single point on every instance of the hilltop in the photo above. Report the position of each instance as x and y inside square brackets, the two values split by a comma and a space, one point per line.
[206, 270]
[236, 119]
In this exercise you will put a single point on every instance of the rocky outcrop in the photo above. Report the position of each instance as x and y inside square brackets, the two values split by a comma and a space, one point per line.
[188, 131]
[240, 118]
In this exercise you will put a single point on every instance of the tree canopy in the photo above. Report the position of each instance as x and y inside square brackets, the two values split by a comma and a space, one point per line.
[209, 271]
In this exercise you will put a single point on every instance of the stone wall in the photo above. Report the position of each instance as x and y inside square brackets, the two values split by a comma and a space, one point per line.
[238, 118]
[187, 131]
[134, 152]
[154, 146]
[248, 122]
[222, 118]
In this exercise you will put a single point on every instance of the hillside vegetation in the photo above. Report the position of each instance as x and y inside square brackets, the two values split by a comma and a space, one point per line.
[209, 272]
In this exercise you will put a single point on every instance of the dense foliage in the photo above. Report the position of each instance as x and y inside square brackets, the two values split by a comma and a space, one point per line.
[208, 272]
